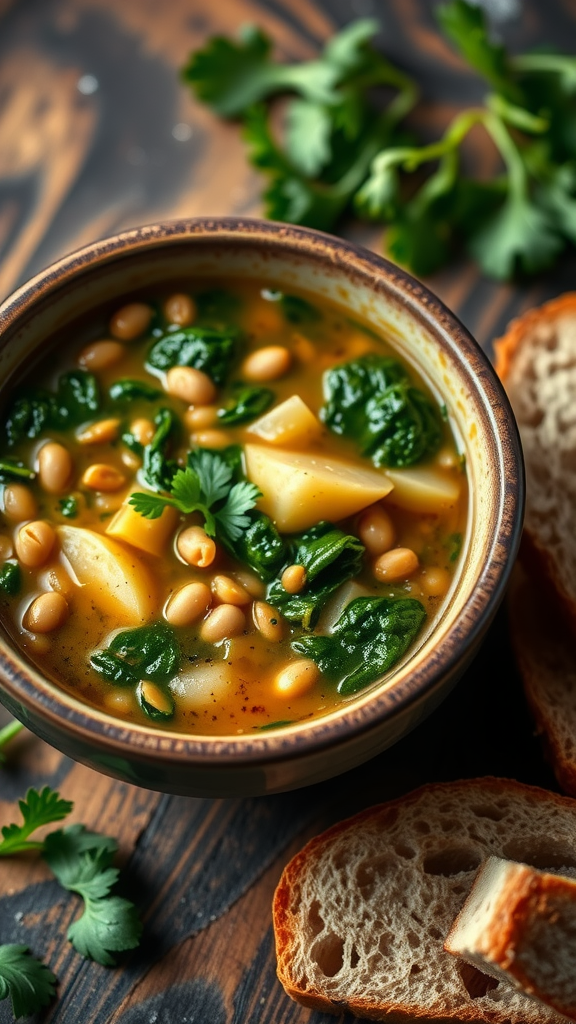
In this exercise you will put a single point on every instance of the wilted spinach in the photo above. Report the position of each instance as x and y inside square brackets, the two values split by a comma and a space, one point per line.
[158, 470]
[203, 348]
[10, 578]
[217, 307]
[245, 403]
[77, 398]
[126, 390]
[330, 557]
[260, 546]
[372, 400]
[69, 507]
[298, 310]
[369, 638]
[147, 652]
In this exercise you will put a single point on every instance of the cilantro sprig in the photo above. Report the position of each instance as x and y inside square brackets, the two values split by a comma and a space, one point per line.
[82, 862]
[28, 983]
[204, 486]
[339, 151]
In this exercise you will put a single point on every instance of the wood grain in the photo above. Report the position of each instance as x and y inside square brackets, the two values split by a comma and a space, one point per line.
[77, 166]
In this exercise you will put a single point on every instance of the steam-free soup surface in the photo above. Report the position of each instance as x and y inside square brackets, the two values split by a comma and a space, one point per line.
[225, 508]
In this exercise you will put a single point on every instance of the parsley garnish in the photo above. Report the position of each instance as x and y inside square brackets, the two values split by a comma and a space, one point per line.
[204, 487]
[28, 982]
[82, 863]
[68, 507]
[340, 151]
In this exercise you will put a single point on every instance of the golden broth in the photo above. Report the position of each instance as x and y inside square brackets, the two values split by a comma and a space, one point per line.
[232, 686]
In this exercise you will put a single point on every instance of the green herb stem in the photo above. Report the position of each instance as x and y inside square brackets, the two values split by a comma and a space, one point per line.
[8, 733]
[556, 62]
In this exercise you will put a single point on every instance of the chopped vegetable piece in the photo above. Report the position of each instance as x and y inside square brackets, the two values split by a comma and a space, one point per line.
[150, 535]
[289, 424]
[300, 489]
[368, 639]
[423, 489]
[119, 584]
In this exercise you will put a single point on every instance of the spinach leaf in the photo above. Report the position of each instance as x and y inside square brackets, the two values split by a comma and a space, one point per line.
[217, 307]
[369, 638]
[203, 348]
[68, 507]
[372, 400]
[158, 470]
[76, 399]
[245, 404]
[330, 557]
[126, 390]
[149, 652]
[10, 469]
[298, 310]
[10, 578]
[260, 546]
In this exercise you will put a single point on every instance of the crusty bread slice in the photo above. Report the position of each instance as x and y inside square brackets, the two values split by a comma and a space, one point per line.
[536, 361]
[519, 925]
[361, 913]
[545, 651]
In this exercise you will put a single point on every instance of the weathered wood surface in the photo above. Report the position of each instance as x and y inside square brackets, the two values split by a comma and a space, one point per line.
[75, 166]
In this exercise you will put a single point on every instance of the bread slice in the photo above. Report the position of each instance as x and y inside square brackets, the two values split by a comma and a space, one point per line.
[362, 912]
[536, 361]
[519, 925]
[545, 651]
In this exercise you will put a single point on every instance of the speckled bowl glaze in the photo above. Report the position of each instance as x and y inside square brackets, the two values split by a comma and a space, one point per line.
[433, 340]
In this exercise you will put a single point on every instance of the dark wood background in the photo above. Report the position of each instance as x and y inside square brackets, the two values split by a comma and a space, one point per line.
[75, 165]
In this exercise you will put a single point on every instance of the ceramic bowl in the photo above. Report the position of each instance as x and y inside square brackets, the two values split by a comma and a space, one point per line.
[437, 344]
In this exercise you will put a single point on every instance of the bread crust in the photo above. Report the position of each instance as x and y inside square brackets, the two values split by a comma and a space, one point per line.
[534, 555]
[387, 813]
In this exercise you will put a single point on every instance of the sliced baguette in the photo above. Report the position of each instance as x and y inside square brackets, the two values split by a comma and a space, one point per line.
[545, 652]
[361, 913]
[536, 361]
[519, 925]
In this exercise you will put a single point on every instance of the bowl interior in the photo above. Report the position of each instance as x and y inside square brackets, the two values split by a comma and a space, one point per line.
[395, 306]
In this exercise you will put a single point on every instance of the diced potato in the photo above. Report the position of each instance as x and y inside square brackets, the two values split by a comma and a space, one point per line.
[290, 424]
[201, 686]
[150, 535]
[299, 488]
[424, 490]
[338, 603]
[112, 576]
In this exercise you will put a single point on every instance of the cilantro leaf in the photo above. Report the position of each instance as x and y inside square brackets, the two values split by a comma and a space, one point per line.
[213, 473]
[8, 733]
[231, 519]
[107, 925]
[82, 863]
[28, 982]
[308, 130]
[465, 24]
[231, 76]
[37, 809]
[520, 236]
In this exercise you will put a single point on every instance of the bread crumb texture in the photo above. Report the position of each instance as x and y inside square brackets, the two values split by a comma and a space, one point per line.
[536, 361]
[362, 912]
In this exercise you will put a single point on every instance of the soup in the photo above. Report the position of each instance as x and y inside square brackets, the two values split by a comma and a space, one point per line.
[225, 509]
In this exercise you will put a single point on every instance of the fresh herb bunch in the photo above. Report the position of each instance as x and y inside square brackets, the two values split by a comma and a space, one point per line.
[82, 863]
[205, 486]
[338, 153]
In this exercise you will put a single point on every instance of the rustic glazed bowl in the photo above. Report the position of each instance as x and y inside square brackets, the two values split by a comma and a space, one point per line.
[434, 341]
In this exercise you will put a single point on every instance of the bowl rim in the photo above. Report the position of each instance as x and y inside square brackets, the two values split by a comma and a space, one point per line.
[25, 686]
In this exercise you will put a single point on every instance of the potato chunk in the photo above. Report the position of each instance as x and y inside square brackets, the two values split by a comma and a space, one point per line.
[203, 686]
[150, 535]
[424, 490]
[110, 575]
[299, 488]
[290, 424]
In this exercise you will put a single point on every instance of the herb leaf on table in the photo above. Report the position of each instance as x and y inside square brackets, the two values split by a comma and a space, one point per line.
[369, 638]
[28, 983]
[38, 808]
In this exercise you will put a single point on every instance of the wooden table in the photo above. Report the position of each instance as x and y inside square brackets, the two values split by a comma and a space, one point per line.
[97, 134]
